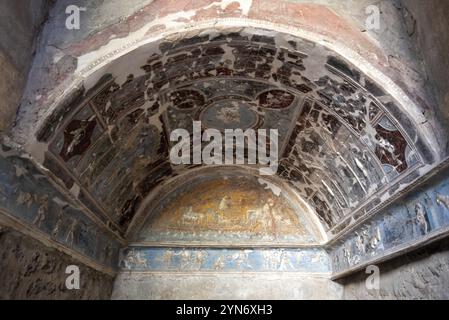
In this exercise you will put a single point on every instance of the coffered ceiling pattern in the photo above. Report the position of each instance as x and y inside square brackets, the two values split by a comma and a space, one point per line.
[343, 139]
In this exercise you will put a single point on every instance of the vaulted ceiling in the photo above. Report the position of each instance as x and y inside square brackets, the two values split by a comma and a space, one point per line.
[346, 142]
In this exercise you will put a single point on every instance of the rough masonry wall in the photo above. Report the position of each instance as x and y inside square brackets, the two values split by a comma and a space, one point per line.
[20, 23]
[423, 274]
[29, 270]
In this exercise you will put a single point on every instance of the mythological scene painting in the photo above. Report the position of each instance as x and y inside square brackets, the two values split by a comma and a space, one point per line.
[236, 209]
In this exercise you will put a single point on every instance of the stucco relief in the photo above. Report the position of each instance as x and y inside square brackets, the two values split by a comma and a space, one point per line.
[27, 195]
[173, 260]
[418, 215]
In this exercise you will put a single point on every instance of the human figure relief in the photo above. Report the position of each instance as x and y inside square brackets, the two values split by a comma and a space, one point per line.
[285, 261]
[127, 260]
[241, 259]
[200, 258]
[71, 234]
[268, 261]
[376, 239]
[336, 260]
[320, 257]
[167, 258]
[25, 198]
[272, 259]
[134, 259]
[107, 253]
[360, 241]
[350, 257]
[219, 264]
[421, 218]
[58, 224]
[443, 201]
[185, 259]
[140, 261]
[41, 211]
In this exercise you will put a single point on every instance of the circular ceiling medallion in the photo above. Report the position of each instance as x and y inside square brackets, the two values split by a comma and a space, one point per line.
[229, 114]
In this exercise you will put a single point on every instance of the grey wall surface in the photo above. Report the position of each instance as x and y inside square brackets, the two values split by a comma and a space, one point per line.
[20, 22]
[29, 270]
[154, 286]
[423, 274]
[429, 25]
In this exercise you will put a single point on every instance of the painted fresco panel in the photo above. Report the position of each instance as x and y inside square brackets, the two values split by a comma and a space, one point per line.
[228, 209]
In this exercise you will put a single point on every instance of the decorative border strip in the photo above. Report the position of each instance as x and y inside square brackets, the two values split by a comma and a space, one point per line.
[176, 260]
[407, 222]
[10, 222]
[28, 197]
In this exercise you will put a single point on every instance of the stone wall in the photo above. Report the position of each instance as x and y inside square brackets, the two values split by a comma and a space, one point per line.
[20, 23]
[423, 274]
[29, 270]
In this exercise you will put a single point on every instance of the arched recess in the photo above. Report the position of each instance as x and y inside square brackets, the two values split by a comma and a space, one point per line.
[350, 137]
[230, 206]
